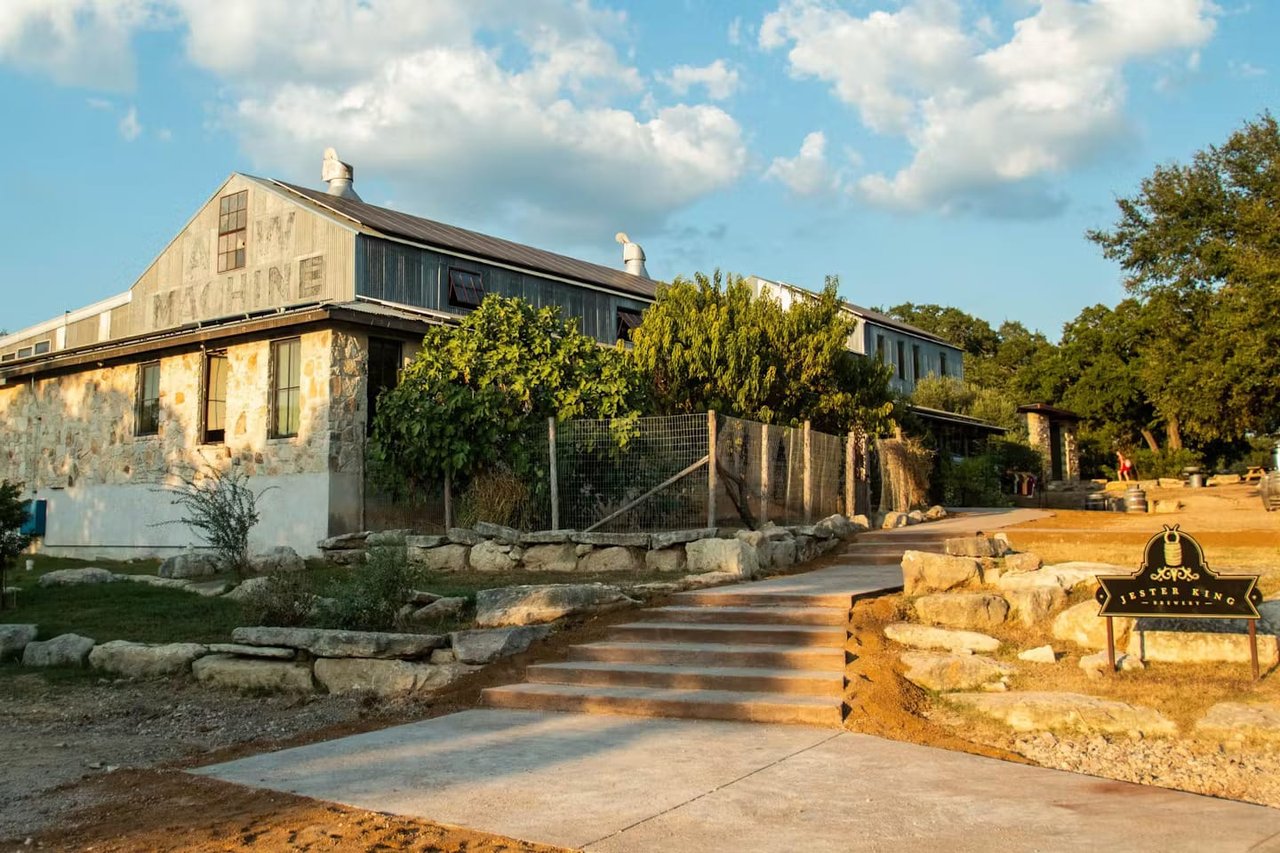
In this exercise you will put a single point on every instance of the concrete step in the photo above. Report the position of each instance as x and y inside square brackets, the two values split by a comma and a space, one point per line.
[869, 557]
[745, 597]
[652, 702]
[768, 615]
[791, 682]
[824, 658]
[735, 634]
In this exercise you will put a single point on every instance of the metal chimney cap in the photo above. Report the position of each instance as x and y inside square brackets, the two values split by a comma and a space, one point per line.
[338, 175]
[632, 255]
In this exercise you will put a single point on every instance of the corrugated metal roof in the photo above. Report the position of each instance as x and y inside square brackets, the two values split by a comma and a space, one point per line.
[955, 418]
[893, 323]
[392, 223]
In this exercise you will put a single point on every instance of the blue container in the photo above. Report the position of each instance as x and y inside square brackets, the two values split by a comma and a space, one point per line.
[37, 514]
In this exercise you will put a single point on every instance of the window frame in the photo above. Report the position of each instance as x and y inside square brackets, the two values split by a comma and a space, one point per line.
[371, 393]
[233, 231]
[942, 363]
[142, 426]
[915, 362]
[466, 288]
[881, 348]
[622, 328]
[42, 347]
[901, 349]
[294, 400]
[208, 435]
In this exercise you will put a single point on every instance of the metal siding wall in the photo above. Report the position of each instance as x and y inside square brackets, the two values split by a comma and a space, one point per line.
[419, 277]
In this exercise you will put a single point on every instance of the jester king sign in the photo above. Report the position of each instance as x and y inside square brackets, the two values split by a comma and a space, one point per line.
[1175, 580]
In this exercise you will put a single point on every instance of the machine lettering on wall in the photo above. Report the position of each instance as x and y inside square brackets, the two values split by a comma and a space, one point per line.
[240, 292]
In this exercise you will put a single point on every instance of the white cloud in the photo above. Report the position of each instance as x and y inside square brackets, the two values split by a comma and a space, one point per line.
[808, 173]
[164, 134]
[99, 103]
[735, 32]
[989, 123]
[130, 127]
[1245, 70]
[530, 112]
[720, 80]
[76, 42]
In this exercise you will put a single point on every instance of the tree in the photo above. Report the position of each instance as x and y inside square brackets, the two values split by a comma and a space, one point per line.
[13, 514]
[222, 509]
[708, 343]
[1200, 247]
[477, 391]
[971, 334]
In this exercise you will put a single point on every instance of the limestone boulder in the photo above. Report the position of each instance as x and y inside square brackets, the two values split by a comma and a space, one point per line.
[347, 558]
[1020, 563]
[500, 532]
[141, 660]
[894, 519]
[935, 513]
[240, 650]
[941, 671]
[1199, 647]
[1097, 665]
[547, 537]
[443, 608]
[14, 638]
[248, 588]
[443, 656]
[667, 560]
[860, 522]
[777, 554]
[1241, 721]
[613, 540]
[970, 610]
[928, 637]
[389, 538]
[1033, 606]
[281, 558]
[62, 650]
[323, 642]
[915, 517]
[551, 557]
[1040, 654]
[707, 579]
[492, 557]
[839, 526]
[539, 604]
[422, 597]
[671, 538]
[345, 542]
[446, 558]
[1044, 711]
[1080, 574]
[189, 564]
[385, 678]
[723, 555]
[612, 559]
[253, 675]
[1082, 625]
[416, 540]
[487, 645]
[924, 572]
[976, 546]
[464, 536]
[76, 577]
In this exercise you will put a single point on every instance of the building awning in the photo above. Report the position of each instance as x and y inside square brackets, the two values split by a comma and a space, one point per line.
[955, 418]
[1050, 412]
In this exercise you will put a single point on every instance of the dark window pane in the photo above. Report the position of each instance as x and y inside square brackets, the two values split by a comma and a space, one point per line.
[149, 399]
[466, 289]
[286, 368]
[628, 322]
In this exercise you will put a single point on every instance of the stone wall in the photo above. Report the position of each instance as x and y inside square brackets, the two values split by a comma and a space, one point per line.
[72, 440]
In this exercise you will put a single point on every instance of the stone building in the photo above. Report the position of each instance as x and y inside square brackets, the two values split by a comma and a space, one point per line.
[1052, 431]
[258, 338]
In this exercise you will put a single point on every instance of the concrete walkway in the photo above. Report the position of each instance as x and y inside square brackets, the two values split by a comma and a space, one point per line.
[606, 783]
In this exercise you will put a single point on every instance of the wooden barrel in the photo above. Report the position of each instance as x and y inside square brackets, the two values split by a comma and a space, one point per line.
[1135, 500]
[1269, 488]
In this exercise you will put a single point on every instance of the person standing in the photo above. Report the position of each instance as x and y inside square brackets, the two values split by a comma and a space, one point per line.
[1124, 466]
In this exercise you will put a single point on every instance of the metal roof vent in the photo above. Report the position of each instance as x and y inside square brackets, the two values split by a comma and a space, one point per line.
[632, 256]
[338, 175]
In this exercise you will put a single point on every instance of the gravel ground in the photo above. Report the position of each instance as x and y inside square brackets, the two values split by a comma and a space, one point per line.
[56, 734]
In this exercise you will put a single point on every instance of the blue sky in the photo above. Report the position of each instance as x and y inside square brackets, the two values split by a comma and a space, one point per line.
[946, 151]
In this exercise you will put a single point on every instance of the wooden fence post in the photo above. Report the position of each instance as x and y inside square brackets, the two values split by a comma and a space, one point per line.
[555, 480]
[448, 501]
[712, 482]
[764, 473]
[850, 476]
[808, 475]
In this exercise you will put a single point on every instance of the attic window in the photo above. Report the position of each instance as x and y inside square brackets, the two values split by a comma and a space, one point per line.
[24, 352]
[9, 356]
[466, 289]
[233, 217]
[628, 322]
[41, 347]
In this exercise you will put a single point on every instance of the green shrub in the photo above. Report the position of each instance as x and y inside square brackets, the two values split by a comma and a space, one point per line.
[975, 481]
[285, 600]
[370, 599]
[1151, 465]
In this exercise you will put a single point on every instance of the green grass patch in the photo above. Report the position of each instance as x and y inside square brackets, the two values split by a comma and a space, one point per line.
[120, 610]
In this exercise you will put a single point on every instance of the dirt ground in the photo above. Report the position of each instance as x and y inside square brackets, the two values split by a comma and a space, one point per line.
[97, 764]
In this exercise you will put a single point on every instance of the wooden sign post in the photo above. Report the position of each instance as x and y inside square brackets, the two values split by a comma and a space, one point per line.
[1175, 581]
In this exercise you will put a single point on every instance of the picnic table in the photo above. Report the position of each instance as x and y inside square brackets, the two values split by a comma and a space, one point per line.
[1255, 474]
